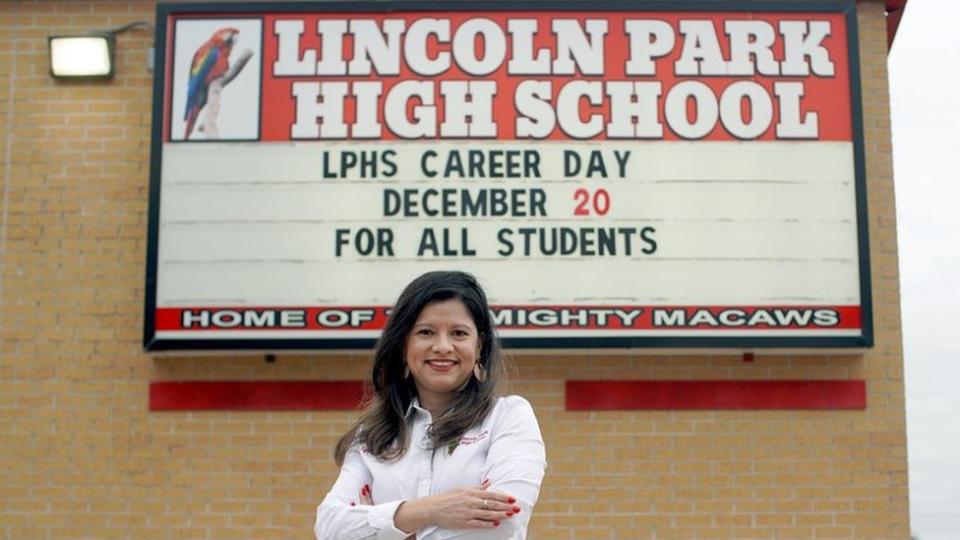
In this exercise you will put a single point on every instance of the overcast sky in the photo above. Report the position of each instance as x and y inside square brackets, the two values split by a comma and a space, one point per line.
[925, 100]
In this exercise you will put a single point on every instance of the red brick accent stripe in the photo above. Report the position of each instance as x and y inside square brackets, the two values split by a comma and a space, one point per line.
[255, 395]
[689, 395]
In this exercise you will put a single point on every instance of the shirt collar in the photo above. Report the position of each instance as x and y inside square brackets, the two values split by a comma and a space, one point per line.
[415, 408]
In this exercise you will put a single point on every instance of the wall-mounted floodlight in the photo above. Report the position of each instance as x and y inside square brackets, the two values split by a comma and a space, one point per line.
[81, 57]
[88, 56]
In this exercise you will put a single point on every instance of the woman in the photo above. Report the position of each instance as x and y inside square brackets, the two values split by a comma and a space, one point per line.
[437, 454]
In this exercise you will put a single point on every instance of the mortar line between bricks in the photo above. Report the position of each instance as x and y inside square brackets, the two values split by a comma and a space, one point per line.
[8, 153]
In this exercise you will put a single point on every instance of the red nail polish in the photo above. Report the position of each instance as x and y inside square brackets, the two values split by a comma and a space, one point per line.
[511, 500]
[353, 504]
[496, 523]
[516, 509]
[509, 514]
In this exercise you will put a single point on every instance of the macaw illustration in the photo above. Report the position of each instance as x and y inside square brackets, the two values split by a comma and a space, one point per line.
[210, 63]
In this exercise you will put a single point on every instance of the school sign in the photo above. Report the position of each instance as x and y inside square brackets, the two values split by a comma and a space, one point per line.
[618, 175]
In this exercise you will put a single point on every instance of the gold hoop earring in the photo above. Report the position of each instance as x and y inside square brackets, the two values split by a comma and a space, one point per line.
[479, 373]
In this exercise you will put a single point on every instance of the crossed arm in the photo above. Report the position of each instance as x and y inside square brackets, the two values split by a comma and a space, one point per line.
[496, 509]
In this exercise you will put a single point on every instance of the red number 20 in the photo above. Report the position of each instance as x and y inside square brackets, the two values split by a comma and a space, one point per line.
[600, 201]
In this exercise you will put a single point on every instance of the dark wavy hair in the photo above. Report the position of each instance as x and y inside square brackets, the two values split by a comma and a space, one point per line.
[382, 427]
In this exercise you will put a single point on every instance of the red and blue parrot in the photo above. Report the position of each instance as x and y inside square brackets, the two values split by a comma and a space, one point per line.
[212, 60]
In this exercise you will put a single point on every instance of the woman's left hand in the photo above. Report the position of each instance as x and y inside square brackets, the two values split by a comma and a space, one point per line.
[366, 495]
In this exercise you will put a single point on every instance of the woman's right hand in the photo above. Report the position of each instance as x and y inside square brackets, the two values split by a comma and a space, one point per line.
[472, 508]
[461, 508]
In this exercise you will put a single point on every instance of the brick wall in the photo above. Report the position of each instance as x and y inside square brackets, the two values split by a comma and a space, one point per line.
[82, 457]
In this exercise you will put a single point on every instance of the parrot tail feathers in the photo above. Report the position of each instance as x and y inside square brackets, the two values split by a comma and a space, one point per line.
[191, 120]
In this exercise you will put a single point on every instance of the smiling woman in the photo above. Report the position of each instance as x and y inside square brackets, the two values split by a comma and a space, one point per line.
[437, 453]
[442, 353]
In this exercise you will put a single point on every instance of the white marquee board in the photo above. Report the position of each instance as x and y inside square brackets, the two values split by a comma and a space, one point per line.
[661, 176]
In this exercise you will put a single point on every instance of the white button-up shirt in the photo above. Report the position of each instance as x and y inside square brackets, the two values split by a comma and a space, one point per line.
[506, 448]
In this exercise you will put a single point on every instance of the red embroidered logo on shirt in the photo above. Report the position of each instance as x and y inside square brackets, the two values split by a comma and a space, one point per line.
[465, 441]
[470, 440]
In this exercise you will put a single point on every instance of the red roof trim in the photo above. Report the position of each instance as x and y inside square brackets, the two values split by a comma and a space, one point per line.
[894, 13]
